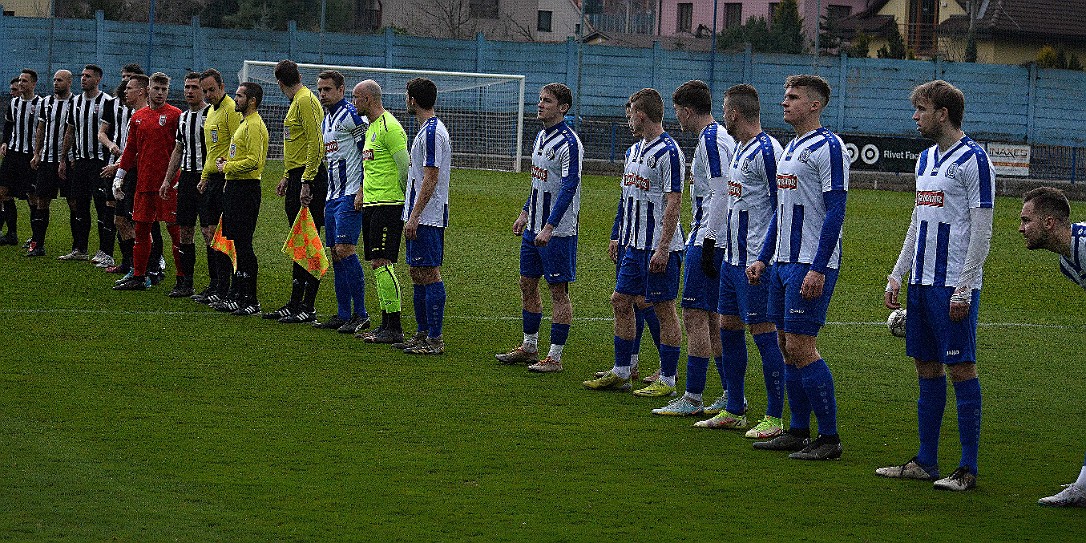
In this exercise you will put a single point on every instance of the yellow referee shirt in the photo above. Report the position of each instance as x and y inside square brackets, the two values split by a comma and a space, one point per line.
[219, 127]
[248, 149]
[303, 142]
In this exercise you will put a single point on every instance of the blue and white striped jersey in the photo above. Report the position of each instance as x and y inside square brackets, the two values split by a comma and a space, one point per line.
[344, 134]
[1075, 266]
[430, 148]
[813, 164]
[752, 197]
[709, 171]
[653, 168]
[556, 181]
[947, 186]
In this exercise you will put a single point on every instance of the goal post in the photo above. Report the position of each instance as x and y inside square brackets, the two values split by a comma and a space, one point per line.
[484, 113]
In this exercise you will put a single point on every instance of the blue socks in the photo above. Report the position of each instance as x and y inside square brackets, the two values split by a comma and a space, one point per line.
[531, 321]
[734, 345]
[669, 360]
[696, 368]
[434, 295]
[969, 400]
[559, 333]
[797, 399]
[419, 302]
[343, 297]
[356, 286]
[818, 384]
[772, 371]
[929, 414]
[623, 350]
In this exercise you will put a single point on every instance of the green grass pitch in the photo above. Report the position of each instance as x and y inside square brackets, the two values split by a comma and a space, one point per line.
[128, 416]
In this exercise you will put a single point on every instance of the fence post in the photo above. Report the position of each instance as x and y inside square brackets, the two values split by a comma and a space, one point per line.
[292, 31]
[748, 64]
[656, 61]
[388, 46]
[1031, 108]
[480, 52]
[197, 49]
[99, 37]
[571, 65]
[842, 79]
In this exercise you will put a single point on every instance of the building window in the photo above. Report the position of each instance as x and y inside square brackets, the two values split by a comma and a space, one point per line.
[733, 15]
[543, 21]
[684, 17]
[483, 9]
[836, 13]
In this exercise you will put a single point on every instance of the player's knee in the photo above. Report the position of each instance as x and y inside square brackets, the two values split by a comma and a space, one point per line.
[963, 371]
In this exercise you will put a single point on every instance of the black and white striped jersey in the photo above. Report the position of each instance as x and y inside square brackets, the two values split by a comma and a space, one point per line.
[23, 115]
[190, 133]
[53, 117]
[116, 115]
[84, 116]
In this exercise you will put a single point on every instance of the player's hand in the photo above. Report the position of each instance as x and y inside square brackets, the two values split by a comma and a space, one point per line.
[201, 186]
[411, 229]
[163, 191]
[755, 271]
[305, 195]
[118, 191]
[658, 262]
[3, 150]
[544, 236]
[116, 151]
[893, 289]
[812, 285]
[281, 188]
[959, 304]
[612, 250]
[358, 201]
[109, 171]
[62, 170]
[35, 161]
[520, 223]
[708, 258]
[220, 164]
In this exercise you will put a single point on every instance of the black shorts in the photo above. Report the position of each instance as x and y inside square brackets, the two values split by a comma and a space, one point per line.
[47, 183]
[211, 205]
[382, 229]
[85, 178]
[124, 207]
[16, 175]
[241, 205]
[318, 188]
[190, 202]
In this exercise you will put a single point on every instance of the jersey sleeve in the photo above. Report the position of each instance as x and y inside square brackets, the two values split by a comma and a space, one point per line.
[979, 178]
[571, 179]
[672, 170]
[312, 115]
[833, 170]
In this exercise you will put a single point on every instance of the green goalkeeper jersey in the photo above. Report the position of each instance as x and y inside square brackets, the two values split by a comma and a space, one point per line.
[384, 138]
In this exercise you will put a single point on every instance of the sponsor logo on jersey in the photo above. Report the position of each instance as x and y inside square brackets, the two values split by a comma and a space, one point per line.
[787, 181]
[933, 198]
[367, 154]
[539, 173]
[632, 179]
[735, 189]
[331, 146]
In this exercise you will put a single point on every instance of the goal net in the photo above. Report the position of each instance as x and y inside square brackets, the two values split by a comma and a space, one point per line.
[484, 113]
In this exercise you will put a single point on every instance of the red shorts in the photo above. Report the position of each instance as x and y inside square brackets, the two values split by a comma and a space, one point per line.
[150, 207]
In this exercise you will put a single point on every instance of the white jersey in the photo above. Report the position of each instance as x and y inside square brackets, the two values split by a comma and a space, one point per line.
[752, 197]
[1075, 266]
[653, 169]
[431, 148]
[709, 177]
[948, 185]
[556, 181]
[344, 133]
[813, 163]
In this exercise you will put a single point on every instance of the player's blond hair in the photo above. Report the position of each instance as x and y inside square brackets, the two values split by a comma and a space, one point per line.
[942, 95]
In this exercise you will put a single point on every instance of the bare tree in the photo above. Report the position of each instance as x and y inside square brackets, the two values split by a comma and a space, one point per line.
[451, 18]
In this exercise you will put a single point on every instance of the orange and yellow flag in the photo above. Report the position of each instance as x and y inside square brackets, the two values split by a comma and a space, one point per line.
[304, 246]
[223, 245]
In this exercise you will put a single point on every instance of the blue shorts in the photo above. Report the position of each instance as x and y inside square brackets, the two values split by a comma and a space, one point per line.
[427, 250]
[699, 291]
[738, 297]
[930, 335]
[787, 308]
[634, 278]
[556, 261]
[342, 222]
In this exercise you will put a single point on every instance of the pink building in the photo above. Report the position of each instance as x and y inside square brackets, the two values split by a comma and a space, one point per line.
[695, 17]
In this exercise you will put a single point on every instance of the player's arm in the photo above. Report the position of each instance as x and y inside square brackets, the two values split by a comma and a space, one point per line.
[403, 164]
[104, 128]
[39, 142]
[902, 266]
[981, 211]
[314, 150]
[833, 175]
[9, 129]
[571, 179]
[612, 245]
[715, 220]
[672, 204]
[171, 169]
[426, 191]
[66, 149]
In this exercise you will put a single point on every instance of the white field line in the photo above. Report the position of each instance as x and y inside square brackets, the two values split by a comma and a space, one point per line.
[74, 311]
